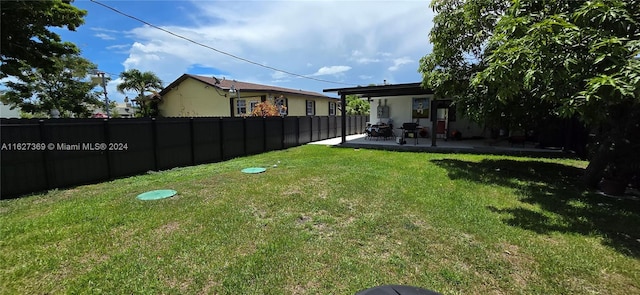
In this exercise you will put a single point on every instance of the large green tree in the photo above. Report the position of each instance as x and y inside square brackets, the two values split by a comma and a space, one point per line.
[462, 29]
[142, 83]
[565, 58]
[64, 86]
[357, 106]
[26, 40]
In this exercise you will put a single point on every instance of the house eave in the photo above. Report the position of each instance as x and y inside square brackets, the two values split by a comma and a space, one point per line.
[383, 90]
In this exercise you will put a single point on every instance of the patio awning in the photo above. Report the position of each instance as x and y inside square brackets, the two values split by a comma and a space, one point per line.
[383, 90]
[387, 90]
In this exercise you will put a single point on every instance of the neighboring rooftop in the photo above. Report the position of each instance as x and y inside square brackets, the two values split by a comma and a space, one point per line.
[225, 84]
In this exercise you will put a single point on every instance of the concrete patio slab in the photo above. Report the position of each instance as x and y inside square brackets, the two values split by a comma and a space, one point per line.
[468, 146]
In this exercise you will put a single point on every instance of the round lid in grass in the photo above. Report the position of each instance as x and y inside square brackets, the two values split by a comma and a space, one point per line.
[254, 170]
[397, 290]
[157, 194]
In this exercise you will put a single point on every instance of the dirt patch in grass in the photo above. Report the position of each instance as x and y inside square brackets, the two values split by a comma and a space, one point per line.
[349, 204]
[621, 281]
[304, 219]
[55, 195]
[292, 190]
[177, 283]
[416, 223]
[71, 267]
[207, 189]
[323, 194]
[550, 240]
[378, 248]
[522, 265]
[317, 223]
[123, 237]
[208, 286]
[317, 186]
[298, 289]
[261, 216]
[167, 228]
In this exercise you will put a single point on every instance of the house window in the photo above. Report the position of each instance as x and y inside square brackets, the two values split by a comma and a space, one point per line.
[252, 106]
[332, 108]
[281, 104]
[241, 107]
[311, 107]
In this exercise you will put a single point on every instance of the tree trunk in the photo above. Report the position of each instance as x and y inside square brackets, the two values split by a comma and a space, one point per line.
[595, 170]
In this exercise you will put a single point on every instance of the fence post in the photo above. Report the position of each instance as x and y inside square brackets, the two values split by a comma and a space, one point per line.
[319, 120]
[107, 140]
[335, 126]
[154, 132]
[264, 132]
[45, 159]
[282, 131]
[193, 142]
[221, 137]
[343, 118]
[297, 131]
[244, 135]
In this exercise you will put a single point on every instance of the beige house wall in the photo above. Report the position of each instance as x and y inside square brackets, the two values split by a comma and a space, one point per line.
[192, 98]
[298, 106]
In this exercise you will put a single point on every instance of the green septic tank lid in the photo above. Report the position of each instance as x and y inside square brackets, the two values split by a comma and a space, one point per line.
[157, 194]
[254, 170]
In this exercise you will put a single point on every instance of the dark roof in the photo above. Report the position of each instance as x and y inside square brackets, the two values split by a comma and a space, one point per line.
[225, 84]
[383, 90]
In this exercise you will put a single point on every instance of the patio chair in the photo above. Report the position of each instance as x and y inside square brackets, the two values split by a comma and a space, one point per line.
[372, 131]
[387, 133]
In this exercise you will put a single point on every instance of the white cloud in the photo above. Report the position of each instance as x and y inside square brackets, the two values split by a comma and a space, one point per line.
[359, 37]
[361, 57]
[399, 62]
[366, 60]
[119, 46]
[280, 77]
[332, 70]
[97, 29]
[104, 36]
[112, 90]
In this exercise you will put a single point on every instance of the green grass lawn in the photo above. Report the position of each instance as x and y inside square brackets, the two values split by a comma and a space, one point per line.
[328, 221]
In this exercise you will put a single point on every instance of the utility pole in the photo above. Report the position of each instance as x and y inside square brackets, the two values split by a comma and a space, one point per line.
[104, 88]
[233, 89]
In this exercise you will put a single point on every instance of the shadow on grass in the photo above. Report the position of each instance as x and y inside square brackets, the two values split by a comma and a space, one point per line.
[567, 207]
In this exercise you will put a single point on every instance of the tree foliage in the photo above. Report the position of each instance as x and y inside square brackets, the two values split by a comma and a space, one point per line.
[26, 38]
[64, 86]
[529, 58]
[265, 109]
[357, 106]
[142, 83]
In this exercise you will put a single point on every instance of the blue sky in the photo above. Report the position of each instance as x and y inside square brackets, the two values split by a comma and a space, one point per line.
[352, 42]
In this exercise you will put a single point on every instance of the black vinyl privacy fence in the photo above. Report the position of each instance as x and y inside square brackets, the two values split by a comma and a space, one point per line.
[39, 154]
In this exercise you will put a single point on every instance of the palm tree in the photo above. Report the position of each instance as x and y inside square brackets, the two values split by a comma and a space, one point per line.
[134, 80]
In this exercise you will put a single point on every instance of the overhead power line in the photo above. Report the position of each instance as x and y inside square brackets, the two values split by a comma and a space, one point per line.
[215, 49]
